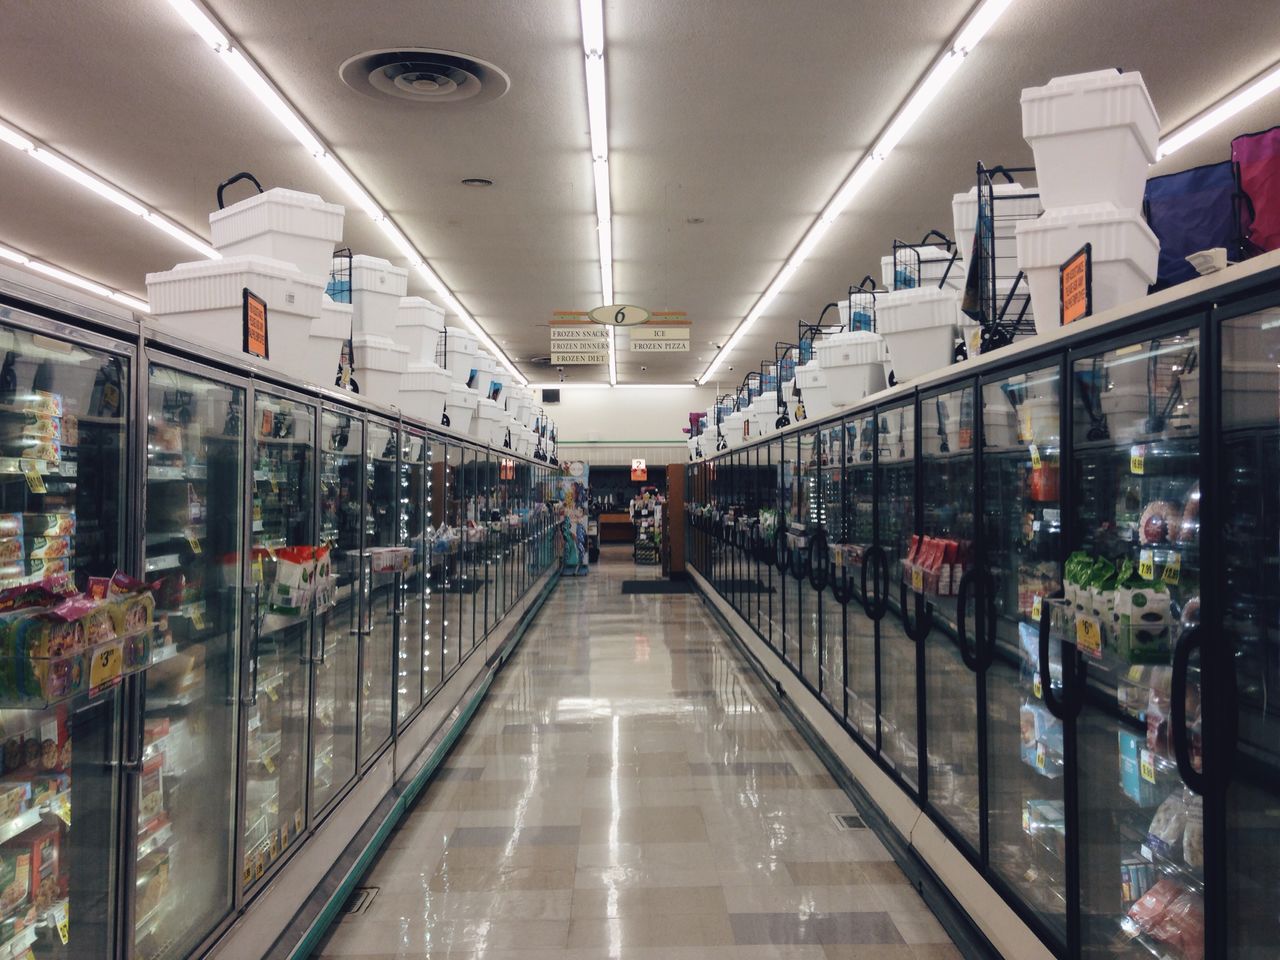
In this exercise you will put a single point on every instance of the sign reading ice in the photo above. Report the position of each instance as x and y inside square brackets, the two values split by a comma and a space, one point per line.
[660, 338]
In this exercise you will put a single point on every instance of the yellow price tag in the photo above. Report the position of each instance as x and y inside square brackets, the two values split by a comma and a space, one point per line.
[35, 482]
[1089, 636]
[273, 693]
[106, 665]
[248, 871]
[1147, 766]
[64, 810]
[284, 836]
[917, 579]
[194, 542]
[259, 865]
[297, 820]
[839, 557]
[1036, 688]
[1035, 457]
[258, 575]
[1026, 424]
[1040, 756]
[275, 487]
[1137, 460]
[1147, 565]
[1172, 568]
[1037, 605]
[275, 846]
[269, 763]
[62, 919]
[197, 616]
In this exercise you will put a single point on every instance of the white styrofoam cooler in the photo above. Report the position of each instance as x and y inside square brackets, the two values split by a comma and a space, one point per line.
[490, 423]
[483, 368]
[461, 347]
[1093, 136]
[329, 334]
[205, 301]
[298, 228]
[854, 365]
[811, 378]
[1012, 200]
[424, 390]
[860, 320]
[521, 405]
[1124, 255]
[334, 321]
[378, 364]
[419, 324]
[731, 428]
[692, 444]
[919, 327]
[933, 265]
[376, 289]
[461, 407]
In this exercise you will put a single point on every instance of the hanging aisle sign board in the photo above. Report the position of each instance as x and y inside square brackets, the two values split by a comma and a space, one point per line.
[619, 315]
[578, 342]
[255, 325]
[1075, 281]
[660, 338]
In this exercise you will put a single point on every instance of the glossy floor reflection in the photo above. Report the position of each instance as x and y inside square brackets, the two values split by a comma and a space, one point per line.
[629, 789]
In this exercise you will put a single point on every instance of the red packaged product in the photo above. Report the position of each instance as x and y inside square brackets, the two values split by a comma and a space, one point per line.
[1148, 908]
[1181, 925]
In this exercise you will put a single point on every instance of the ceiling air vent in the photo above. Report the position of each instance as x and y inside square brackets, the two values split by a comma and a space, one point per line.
[420, 75]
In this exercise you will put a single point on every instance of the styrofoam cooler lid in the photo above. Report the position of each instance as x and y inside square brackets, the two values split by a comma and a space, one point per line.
[217, 284]
[850, 348]
[1114, 233]
[489, 410]
[461, 340]
[1092, 101]
[334, 321]
[426, 375]
[379, 353]
[918, 308]
[463, 396]
[417, 312]
[375, 275]
[811, 375]
[280, 211]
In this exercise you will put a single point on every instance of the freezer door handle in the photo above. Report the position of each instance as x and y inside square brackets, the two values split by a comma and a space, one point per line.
[988, 651]
[962, 603]
[819, 570]
[1190, 640]
[924, 618]
[1073, 670]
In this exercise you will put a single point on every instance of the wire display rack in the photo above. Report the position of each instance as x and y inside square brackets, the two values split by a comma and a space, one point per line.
[910, 260]
[997, 295]
[339, 291]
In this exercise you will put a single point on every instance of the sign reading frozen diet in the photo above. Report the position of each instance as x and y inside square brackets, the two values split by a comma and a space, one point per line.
[578, 342]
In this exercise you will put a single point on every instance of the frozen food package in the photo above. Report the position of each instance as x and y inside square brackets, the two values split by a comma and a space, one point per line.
[47, 450]
[49, 548]
[40, 426]
[43, 402]
[1147, 909]
[47, 568]
[12, 551]
[130, 614]
[1168, 824]
[11, 524]
[45, 524]
[1193, 833]
[1181, 925]
[70, 430]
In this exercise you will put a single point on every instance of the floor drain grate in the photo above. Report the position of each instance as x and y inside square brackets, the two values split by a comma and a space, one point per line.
[359, 901]
[848, 821]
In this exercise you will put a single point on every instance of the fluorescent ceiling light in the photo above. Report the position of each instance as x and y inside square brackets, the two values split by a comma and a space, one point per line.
[132, 302]
[14, 139]
[1220, 113]
[943, 69]
[73, 279]
[182, 236]
[199, 19]
[12, 255]
[592, 13]
[88, 180]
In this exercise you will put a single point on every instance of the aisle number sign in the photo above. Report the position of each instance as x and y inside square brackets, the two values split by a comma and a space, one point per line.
[619, 315]
[1075, 278]
[255, 325]
[639, 471]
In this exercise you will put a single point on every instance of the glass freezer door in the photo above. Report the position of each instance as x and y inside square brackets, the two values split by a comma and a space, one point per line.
[336, 657]
[185, 794]
[383, 569]
[942, 569]
[831, 472]
[1249, 585]
[285, 567]
[63, 505]
[412, 672]
[1021, 536]
[1132, 603]
[860, 566]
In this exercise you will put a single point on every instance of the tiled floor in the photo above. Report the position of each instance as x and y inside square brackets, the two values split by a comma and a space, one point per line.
[630, 790]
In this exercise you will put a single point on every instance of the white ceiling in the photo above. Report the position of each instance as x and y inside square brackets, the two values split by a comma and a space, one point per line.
[745, 113]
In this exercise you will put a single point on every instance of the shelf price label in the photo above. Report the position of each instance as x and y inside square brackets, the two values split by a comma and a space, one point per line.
[284, 836]
[297, 821]
[248, 871]
[1089, 636]
[268, 763]
[194, 542]
[1040, 757]
[1036, 687]
[62, 920]
[1147, 766]
[1138, 460]
[197, 616]
[1035, 457]
[1172, 568]
[35, 482]
[1037, 604]
[106, 665]
[917, 579]
[1147, 565]
[259, 865]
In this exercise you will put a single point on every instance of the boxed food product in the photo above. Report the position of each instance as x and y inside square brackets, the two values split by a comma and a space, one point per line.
[41, 426]
[43, 402]
[12, 551]
[11, 524]
[1136, 877]
[49, 548]
[15, 797]
[1134, 785]
[48, 450]
[151, 788]
[47, 568]
[1168, 825]
[15, 879]
[61, 524]
[1145, 622]
[41, 844]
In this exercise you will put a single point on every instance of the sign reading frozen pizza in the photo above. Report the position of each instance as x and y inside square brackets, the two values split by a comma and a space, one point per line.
[660, 338]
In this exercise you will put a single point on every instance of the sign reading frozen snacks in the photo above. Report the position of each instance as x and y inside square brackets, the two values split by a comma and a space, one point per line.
[1075, 279]
[255, 325]
[577, 341]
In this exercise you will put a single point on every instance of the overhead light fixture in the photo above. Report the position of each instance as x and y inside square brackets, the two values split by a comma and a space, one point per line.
[592, 13]
[72, 279]
[107, 191]
[1221, 112]
[940, 73]
[247, 71]
[477, 182]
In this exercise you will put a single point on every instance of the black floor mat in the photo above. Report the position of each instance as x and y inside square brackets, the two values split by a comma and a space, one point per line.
[656, 586]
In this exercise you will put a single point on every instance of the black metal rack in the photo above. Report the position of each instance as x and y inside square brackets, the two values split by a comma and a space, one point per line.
[996, 293]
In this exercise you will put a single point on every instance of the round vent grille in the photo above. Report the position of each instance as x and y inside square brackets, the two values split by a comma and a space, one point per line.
[418, 75]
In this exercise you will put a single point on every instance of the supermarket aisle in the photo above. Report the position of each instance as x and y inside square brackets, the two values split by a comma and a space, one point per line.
[630, 790]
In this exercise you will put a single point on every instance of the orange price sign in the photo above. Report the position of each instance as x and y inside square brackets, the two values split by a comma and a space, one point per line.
[255, 325]
[1075, 277]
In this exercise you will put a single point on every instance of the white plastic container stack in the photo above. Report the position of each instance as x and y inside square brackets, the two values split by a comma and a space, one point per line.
[1124, 254]
[376, 289]
[490, 424]
[812, 381]
[204, 301]
[521, 406]
[424, 390]
[854, 365]
[1012, 200]
[419, 324]
[461, 407]
[298, 228]
[461, 347]
[692, 444]
[329, 334]
[483, 368]
[920, 328]
[378, 366]
[1093, 135]
[732, 429]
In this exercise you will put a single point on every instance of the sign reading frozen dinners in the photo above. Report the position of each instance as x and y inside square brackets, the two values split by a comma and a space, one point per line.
[619, 315]
[577, 341]
[660, 338]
